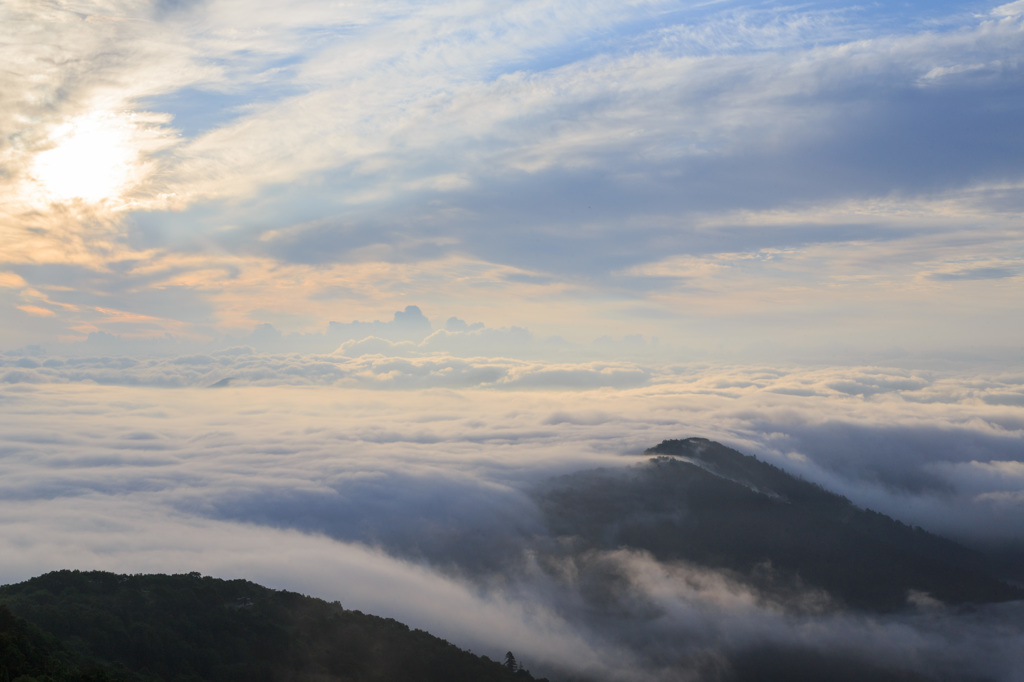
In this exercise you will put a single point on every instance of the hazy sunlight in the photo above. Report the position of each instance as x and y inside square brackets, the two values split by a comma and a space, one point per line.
[93, 159]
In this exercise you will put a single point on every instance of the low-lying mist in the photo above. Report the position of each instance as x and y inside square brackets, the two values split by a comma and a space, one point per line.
[422, 505]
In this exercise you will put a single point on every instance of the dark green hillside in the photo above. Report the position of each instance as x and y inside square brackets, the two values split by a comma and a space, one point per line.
[727, 510]
[189, 628]
[27, 654]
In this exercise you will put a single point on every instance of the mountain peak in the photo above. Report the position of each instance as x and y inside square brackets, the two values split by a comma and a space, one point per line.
[745, 470]
[702, 502]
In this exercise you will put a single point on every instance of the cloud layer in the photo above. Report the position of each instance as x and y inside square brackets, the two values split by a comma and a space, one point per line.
[700, 173]
[416, 504]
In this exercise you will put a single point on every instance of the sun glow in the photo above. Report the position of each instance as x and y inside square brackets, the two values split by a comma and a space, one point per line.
[94, 159]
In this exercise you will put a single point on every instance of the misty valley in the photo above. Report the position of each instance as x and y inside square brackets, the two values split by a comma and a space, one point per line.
[695, 563]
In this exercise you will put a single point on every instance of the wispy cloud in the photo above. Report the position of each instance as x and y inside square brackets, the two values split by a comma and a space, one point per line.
[413, 148]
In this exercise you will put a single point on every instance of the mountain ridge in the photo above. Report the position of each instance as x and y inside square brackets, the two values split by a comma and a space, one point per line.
[188, 627]
[694, 510]
[727, 510]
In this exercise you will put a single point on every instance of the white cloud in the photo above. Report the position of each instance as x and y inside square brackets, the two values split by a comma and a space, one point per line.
[1010, 9]
[376, 153]
[179, 479]
[922, 446]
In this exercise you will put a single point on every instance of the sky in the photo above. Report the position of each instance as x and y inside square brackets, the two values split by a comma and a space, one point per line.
[737, 178]
[335, 277]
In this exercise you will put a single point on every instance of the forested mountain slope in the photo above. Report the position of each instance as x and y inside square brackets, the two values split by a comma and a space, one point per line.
[705, 503]
[188, 627]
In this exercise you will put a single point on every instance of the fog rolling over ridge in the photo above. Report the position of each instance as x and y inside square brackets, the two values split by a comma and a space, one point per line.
[701, 502]
[533, 521]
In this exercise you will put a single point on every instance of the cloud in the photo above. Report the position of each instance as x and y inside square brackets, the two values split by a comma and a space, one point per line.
[412, 503]
[368, 363]
[146, 482]
[835, 188]
[976, 273]
[899, 447]
[407, 325]
[358, 576]
[1010, 9]
[36, 310]
[683, 169]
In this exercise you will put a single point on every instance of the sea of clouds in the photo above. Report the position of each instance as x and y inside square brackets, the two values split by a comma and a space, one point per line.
[401, 486]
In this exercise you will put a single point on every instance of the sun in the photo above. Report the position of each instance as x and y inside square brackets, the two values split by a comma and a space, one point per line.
[93, 159]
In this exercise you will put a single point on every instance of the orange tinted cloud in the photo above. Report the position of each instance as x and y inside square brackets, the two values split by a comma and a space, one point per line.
[9, 280]
[36, 310]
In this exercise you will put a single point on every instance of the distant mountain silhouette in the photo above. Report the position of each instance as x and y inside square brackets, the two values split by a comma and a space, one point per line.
[148, 628]
[702, 502]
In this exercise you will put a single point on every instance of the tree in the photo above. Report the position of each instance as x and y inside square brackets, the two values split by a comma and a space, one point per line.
[510, 662]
